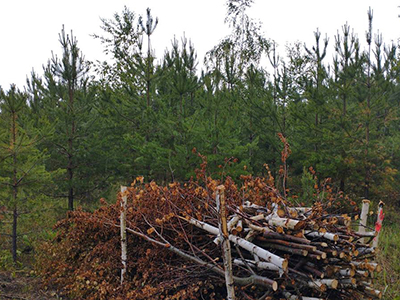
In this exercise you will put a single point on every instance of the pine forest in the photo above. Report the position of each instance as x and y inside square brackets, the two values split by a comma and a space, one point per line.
[266, 130]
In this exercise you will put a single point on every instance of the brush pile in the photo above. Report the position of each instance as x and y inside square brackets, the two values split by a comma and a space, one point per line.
[282, 251]
[175, 248]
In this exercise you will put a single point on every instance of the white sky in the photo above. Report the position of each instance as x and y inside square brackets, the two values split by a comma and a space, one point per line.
[29, 28]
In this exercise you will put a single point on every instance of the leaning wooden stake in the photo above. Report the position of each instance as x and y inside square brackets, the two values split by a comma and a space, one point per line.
[123, 232]
[226, 248]
[378, 224]
[363, 217]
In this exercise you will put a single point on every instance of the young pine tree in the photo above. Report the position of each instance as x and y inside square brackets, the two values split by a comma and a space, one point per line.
[68, 98]
[22, 170]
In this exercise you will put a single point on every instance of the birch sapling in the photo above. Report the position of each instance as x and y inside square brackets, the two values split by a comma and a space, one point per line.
[123, 231]
[226, 248]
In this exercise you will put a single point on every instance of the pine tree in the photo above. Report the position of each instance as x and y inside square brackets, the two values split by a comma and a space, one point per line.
[22, 170]
[148, 29]
[68, 101]
[346, 84]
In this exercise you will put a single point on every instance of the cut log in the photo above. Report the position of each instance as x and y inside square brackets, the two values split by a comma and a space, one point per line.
[326, 235]
[287, 249]
[317, 285]
[286, 223]
[347, 272]
[330, 283]
[285, 237]
[348, 282]
[288, 244]
[314, 271]
[261, 265]
[373, 292]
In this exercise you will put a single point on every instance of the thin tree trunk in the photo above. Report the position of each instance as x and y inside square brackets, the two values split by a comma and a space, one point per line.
[70, 166]
[316, 126]
[14, 234]
[123, 232]
[367, 126]
[342, 184]
[14, 186]
[226, 248]
[148, 73]
[70, 188]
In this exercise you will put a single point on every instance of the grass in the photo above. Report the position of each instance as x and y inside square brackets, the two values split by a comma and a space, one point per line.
[388, 256]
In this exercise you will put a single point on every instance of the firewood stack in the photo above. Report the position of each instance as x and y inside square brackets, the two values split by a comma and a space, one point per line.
[299, 252]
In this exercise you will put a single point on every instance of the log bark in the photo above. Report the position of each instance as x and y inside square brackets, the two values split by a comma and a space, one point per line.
[289, 244]
[314, 271]
[347, 272]
[326, 235]
[286, 223]
[287, 249]
[286, 237]
[373, 292]
[261, 265]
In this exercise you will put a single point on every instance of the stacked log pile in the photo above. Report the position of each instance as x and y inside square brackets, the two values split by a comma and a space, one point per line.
[300, 252]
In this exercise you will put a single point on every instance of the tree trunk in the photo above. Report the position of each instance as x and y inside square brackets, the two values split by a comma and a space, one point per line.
[148, 72]
[226, 248]
[123, 232]
[14, 234]
[70, 166]
[14, 186]
[70, 173]
[342, 185]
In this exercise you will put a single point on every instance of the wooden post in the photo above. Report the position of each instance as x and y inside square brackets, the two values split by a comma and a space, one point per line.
[363, 217]
[123, 231]
[378, 224]
[226, 248]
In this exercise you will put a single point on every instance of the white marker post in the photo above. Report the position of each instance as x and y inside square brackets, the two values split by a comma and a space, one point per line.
[363, 217]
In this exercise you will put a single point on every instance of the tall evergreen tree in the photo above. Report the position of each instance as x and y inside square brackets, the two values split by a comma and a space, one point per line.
[346, 84]
[68, 101]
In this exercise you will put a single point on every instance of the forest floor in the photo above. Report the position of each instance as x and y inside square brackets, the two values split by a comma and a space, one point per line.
[22, 285]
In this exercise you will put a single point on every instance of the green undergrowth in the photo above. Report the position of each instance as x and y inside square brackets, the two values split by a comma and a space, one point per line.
[388, 256]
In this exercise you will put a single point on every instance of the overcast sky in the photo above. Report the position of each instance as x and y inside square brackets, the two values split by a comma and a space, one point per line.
[29, 28]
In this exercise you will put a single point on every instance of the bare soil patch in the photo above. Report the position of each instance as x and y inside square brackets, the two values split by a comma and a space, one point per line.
[21, 285]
